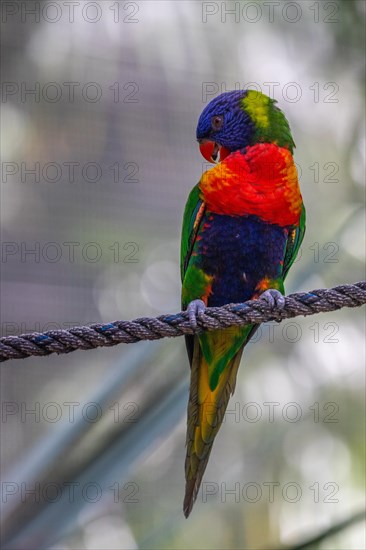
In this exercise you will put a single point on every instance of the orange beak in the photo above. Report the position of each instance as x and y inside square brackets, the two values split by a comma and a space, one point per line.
[210, 150]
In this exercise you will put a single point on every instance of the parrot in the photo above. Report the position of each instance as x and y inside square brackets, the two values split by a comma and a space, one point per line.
[243, 225]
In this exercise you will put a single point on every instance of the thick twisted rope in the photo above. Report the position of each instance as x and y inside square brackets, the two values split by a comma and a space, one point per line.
[110, 334]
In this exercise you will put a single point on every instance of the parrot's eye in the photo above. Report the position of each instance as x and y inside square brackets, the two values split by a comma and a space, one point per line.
[217, 121]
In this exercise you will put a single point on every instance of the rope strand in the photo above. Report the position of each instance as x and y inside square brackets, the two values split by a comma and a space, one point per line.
[111, 334]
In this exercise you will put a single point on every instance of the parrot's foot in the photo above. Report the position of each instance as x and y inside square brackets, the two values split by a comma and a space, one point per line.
[274, 298]
[195, 310]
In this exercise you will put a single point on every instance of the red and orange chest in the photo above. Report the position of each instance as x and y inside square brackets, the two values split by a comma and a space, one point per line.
[259, 181]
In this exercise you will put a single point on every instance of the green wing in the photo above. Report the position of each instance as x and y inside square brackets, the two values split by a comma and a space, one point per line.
[294, 242]
[192, 217]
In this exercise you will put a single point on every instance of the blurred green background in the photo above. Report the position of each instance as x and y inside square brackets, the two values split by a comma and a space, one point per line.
[109, 133]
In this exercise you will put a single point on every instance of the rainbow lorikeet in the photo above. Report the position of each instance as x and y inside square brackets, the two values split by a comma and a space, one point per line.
[242, 228]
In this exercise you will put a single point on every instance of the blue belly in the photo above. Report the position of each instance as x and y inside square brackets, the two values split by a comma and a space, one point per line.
[239, 252]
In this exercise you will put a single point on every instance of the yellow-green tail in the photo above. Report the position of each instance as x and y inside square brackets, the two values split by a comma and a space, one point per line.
[206, 409]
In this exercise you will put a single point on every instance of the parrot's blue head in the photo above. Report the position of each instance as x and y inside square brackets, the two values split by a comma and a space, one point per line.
[234, 120]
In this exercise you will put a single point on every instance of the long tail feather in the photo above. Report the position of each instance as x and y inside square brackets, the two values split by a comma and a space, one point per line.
[206, 410]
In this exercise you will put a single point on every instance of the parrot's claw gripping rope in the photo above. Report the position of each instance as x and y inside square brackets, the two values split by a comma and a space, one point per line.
[195, 309]
[274, 298]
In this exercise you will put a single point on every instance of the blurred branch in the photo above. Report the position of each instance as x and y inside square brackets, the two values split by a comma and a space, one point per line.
[101, 452]
[336, 528]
